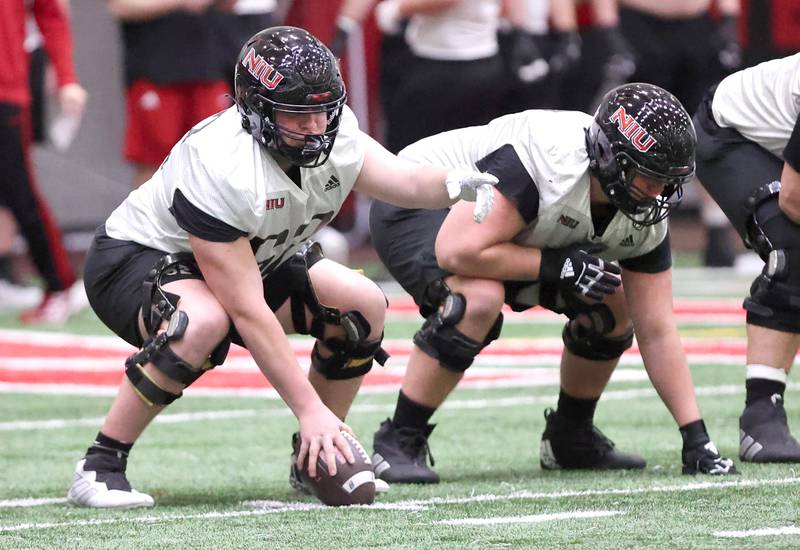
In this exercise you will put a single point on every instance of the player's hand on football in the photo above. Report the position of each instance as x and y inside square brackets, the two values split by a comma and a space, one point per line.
[577, 269]
[321, 433]
[472, 186]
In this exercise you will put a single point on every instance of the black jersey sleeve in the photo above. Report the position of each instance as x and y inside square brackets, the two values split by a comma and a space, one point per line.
[200, 223]
[791, 153]
[657, 260]
[516, 184]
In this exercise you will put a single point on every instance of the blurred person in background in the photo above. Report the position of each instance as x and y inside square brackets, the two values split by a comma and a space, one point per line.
[18, 190]
[175, 72]
[748, 159]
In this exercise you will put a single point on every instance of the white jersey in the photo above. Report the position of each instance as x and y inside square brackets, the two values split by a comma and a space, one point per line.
[228, 176]
[762, 103]
[551, 148]
[462, 32]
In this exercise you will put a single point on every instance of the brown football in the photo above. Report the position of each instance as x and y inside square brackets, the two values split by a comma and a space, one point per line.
[352, 484]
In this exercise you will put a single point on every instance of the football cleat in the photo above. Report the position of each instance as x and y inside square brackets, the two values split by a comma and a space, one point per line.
[764, 434]
[574, 445]
[105, 489]
[14, 297]
[705, 459]
[401, 454]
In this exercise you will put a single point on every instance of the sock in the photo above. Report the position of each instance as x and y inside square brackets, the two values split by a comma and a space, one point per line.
[411, 414]
[763, 381]
[109, 446]
[694, 434]
[759, 388]
[576, 409]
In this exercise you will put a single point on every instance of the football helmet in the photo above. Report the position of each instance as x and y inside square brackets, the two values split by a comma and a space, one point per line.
[286, 69]
[641, 129]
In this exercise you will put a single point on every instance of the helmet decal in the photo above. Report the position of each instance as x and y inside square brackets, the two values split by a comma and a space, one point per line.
[632, 130]
[260, 69]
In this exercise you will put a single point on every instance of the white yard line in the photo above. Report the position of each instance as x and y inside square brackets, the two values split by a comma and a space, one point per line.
[455, 404]
[538, 518]
[270, 506]
[766, 532]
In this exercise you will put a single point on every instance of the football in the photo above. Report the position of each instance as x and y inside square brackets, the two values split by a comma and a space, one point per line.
[352, 484]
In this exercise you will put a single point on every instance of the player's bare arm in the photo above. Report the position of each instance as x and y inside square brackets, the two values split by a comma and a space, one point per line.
[789, 198]
[222, 264]
[386, 177]
[649, 297]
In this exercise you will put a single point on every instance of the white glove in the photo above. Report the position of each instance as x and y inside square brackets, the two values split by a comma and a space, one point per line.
[472, 186]
[387, 16]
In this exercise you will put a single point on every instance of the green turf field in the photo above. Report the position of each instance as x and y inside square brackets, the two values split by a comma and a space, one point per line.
[218, 467]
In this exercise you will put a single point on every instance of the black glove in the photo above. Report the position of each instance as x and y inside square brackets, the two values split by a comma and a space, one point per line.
[575, 269]
[566, 51]
[704, 458]
[729, 52]
[525, 59]
[338, 43]
[621, 62]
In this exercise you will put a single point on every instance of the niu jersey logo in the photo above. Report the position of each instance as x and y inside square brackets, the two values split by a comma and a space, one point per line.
[633, 131]
[627, 241]
[333, 183]
[572, 223]
[274, 204]
[263, 71]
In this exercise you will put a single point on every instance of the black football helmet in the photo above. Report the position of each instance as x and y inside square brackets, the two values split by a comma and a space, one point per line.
[641, 128]
[286, 69]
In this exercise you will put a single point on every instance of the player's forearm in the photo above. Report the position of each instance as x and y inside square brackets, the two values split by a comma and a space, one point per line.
[270, 348]
[142, 10]
[789, 198]
[503, 261]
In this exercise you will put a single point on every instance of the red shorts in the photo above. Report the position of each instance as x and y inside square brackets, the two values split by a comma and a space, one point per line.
[158, 116]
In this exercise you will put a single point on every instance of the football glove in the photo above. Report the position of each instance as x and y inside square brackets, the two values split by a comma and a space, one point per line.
[704, 458]
[576, 269]
[525, 59]
[472, 186]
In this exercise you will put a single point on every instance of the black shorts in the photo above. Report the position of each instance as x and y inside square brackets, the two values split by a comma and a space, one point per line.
[115, 271]
[405, 240]
[730, 166]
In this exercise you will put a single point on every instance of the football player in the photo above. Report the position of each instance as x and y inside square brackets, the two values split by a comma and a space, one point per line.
[215, 248]
[579, 227]
[748, 159]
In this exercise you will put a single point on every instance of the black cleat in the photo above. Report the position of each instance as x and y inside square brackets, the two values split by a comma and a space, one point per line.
[401, 454]
[295, 480]
[705, 459]
[764, 433]
[570, 445]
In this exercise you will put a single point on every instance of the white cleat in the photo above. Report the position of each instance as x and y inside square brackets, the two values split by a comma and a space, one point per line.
[381, 486]
[14, 297]
[87, 492]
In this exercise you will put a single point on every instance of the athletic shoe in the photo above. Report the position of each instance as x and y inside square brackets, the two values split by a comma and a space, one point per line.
[296, 482]
[705, 459]
[571, 445]
[14, 297]
[105, 489]
[764, 434]
[57, 307]
[401, 454]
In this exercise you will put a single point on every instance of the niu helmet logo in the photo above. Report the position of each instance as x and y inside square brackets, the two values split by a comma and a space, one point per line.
[263, 71]
[632, 130]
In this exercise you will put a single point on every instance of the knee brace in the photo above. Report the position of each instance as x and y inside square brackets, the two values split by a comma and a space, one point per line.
[774, 300]
[593, 343]
[352, 353]
[162, 306]
[440, 339]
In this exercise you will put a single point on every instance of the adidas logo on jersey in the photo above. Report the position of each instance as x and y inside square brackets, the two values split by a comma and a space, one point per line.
[566, 270]
[333, 183]
[572, 223]
[627, 241]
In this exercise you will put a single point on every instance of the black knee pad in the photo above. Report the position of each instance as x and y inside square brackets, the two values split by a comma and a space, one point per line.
[440, 339]
[593, 345]
[350, 362]
[774, 300]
